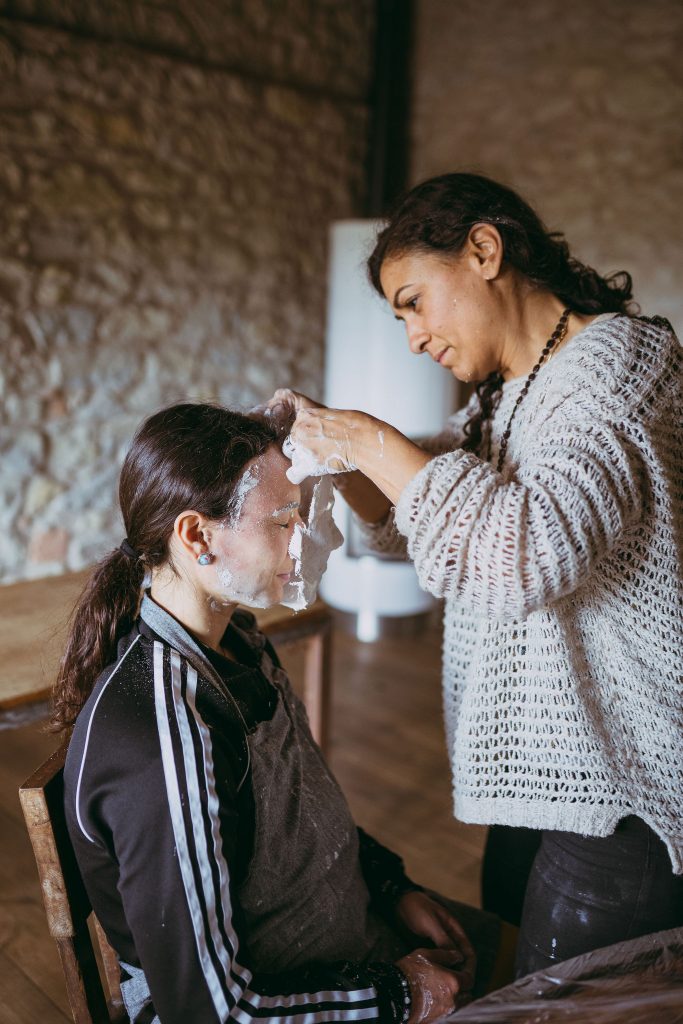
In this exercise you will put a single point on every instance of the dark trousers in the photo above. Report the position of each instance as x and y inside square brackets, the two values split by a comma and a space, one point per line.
[570, 894]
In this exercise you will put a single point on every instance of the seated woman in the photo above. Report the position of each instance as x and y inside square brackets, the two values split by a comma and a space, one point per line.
[216, 847]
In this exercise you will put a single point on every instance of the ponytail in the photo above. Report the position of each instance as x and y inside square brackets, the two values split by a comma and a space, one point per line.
[105, 612]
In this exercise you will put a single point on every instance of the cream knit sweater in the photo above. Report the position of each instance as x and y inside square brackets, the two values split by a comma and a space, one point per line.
[563, 587]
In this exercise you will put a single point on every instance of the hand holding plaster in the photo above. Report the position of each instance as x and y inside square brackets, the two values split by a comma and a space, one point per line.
[324, 441]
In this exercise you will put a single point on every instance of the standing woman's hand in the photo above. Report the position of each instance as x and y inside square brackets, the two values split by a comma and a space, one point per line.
[337, 439]
[340, 440]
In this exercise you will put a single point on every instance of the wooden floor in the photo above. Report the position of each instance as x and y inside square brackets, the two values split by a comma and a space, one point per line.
[387, 751]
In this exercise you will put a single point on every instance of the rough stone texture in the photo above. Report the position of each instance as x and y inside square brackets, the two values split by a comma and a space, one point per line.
[163, 235]
[579, 106]
[322, 44]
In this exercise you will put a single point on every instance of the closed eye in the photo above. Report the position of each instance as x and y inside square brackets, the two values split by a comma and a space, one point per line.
[410, 304]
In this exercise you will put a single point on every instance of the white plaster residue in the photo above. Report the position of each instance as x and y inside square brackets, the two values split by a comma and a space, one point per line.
[305, 464]
[311, 544]
[235, 592]
[246, 483]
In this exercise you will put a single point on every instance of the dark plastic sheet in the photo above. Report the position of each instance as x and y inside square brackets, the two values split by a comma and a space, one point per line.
[636, 982]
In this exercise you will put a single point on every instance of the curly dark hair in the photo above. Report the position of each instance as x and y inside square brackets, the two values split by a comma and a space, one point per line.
[436, 217]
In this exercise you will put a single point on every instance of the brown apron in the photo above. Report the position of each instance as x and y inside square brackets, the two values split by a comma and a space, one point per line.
[304, 897]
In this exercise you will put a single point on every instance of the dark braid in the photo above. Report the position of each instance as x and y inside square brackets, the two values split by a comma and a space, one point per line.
[488, 393]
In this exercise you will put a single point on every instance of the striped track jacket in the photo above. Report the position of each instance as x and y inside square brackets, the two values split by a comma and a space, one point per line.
[161, 826]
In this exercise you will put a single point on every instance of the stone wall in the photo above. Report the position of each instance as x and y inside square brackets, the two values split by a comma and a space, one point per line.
[167, 177]
[578, 106]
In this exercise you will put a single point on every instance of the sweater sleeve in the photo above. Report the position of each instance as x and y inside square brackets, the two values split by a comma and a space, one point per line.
[383, 537]
[510, 547]
[173, 839]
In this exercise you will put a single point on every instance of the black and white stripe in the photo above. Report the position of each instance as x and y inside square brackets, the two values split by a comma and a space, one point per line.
[86, 744]
[188, 769]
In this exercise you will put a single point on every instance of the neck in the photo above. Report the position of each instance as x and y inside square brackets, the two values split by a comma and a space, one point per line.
[200, 614]
[531, 323]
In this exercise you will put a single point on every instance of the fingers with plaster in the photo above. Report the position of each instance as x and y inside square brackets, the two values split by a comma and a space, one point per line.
[324, 441]
[436, 987]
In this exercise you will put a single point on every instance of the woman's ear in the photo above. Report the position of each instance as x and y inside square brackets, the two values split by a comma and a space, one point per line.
[192, 534]
[485, 248]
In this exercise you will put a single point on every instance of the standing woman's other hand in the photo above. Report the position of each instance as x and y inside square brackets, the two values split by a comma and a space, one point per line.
[427, 918]
[435, 985]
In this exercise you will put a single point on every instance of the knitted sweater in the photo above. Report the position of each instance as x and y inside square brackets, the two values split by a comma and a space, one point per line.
[563, 586]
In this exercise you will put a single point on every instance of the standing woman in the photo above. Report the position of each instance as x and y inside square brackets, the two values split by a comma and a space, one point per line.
[549, 516]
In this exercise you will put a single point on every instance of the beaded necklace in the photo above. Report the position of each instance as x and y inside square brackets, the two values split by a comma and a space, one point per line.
[555, 338]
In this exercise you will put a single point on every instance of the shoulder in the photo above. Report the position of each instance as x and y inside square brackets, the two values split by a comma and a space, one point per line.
[145, 711]
[616, 363]
[136, 700]
[120, 706]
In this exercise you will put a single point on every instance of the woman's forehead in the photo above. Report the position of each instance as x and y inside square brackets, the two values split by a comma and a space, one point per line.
[407, 268]
[272, 490]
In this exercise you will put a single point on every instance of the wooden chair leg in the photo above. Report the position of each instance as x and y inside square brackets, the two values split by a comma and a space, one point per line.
[112, 973]
[317, 665]
[83, 984]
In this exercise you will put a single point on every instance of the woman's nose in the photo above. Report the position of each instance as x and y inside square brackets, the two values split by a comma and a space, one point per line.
[417, 338]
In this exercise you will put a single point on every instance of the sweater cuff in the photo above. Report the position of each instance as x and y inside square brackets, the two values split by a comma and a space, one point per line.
[382, 536]
[404, 513]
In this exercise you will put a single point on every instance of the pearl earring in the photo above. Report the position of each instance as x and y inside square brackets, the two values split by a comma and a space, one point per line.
[205, 558]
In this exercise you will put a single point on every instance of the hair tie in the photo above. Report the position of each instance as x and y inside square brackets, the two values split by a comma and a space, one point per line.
[128, 549]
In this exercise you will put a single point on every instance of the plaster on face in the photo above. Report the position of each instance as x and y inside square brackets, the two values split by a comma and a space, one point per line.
[247, 482]
[312, 543]
[264, 552]
[250, 547]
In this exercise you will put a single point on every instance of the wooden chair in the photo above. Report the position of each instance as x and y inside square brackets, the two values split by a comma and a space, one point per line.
[93, 999]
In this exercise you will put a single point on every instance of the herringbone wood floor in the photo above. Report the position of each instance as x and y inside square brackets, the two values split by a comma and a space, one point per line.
[387, 751]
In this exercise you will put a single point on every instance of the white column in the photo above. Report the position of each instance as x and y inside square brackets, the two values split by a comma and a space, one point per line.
[370, 367]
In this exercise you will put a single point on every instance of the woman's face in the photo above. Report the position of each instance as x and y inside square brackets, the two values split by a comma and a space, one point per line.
[251, 558]
[449, 310]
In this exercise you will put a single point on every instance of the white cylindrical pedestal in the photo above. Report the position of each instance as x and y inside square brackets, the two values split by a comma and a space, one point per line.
[370, 367]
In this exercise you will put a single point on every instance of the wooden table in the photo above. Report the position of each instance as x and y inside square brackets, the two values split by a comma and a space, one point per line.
[33, 621]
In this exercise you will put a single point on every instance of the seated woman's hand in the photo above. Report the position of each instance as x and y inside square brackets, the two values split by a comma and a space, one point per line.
[436, 986]
[427, 918]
